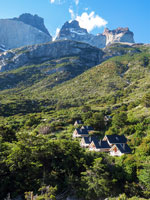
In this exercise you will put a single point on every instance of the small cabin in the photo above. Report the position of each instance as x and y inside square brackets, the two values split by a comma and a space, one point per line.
[99, 145]
[80, 133]
[115, 139]
[86, 141]
[119, 150]
[88, 128]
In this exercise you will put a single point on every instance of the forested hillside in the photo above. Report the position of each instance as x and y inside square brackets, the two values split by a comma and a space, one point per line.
[39, 104]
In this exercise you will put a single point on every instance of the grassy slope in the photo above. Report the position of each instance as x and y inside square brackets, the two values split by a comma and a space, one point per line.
[117, 80]
[126, 76]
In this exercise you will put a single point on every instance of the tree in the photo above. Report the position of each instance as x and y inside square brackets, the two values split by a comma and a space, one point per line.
[8, 133]
[5, 178]
[146, 100]
[35, 160]
[86, 108]
[47, 193]
[96, 180]
[144, 176]
[122, 197]
[96, 121]
[119, 119]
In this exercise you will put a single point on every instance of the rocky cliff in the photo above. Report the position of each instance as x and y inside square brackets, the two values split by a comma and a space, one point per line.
[33, 20]
[118, 35]
[37, 54]
[72, 31]
[14, 34]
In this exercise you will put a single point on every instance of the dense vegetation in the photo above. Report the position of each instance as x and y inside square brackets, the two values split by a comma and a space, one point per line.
[37, 152]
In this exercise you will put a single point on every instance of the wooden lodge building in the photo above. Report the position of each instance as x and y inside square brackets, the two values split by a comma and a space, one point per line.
[88, 128]
[116, 145]
[115, 139]
[80, 133]
[99, 146]
[86, 141]
[119, 150]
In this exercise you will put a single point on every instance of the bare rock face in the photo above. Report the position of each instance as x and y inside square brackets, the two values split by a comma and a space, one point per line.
[118, 35]
[37, 54]
[98, 40]
[14, 34]
[33, 20]
[72, 31]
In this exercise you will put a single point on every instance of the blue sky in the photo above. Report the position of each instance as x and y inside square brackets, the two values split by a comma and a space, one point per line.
[92, 14]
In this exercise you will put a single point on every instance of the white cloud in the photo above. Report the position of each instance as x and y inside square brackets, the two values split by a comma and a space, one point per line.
[91, 21]
[56, 34]
[52, 1]
[72, 13]
[76, 2]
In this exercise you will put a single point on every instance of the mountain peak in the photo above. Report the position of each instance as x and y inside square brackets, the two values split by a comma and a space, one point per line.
[24, 30]
[71, 30]
[33, 20]
[71, 24]
[117, 30]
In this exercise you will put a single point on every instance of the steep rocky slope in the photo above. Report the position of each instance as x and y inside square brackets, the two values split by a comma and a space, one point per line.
[50, 73]
[55, 62]
[51, 63]
[118, 79]
[37, 54]
[45, 66]
[71, 81]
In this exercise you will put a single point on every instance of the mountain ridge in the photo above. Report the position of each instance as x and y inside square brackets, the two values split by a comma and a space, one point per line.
[40, 53]
[73, 31]
[28, 29]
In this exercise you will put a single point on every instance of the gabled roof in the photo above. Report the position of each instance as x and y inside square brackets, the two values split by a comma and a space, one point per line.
[104, 145]
[88, 128]
[101, 144]
[88, 140]
[82, 131]
[116, 139]
[123, 148]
